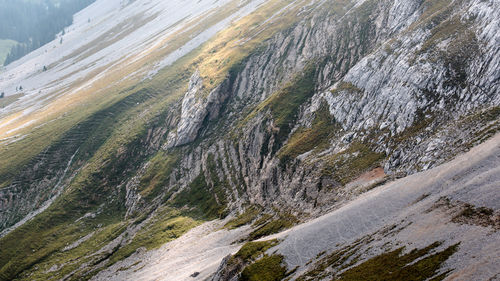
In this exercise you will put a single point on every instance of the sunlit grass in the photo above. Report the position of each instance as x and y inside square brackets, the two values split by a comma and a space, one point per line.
[56, 228]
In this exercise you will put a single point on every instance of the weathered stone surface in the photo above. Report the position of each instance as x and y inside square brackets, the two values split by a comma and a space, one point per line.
[393, 87]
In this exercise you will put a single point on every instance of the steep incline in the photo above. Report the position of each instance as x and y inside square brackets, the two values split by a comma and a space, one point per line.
[110, 41]
[78, 163]
[316, 113]
[264, 114]
[112, 45]
[436, 205]
[408, 212]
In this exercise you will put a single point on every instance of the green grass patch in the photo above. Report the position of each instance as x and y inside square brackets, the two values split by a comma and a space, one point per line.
[246, 256]
[469, 214]
[269, 268]
[206, 197]
[167, 225]
[336, 260]
[274, 226]
[41, 242]
[285, 103]
[157, 175]
[434, 12]
[489, 130]
[416, 265]
[62, 262]
[219, 186]
[205, 201]
[351, 163]
[489, 115]
[253, 250]
[307, 139]
[250, 214]
[446, 29]
[421, 123]
[262, 220]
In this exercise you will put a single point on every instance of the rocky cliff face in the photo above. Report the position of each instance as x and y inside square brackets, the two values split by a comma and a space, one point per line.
[407, 84]
[348, 96]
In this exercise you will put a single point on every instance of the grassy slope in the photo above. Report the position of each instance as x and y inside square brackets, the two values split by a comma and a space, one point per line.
[306, 139]
[215, 59]
[97, 182]
[255, 265]
[40, 241]
[102, 94]
[94, 184]
[418, 264]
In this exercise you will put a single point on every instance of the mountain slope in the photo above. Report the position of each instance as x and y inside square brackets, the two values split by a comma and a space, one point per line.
[85, 93]
[267, 113]
[413, 212]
